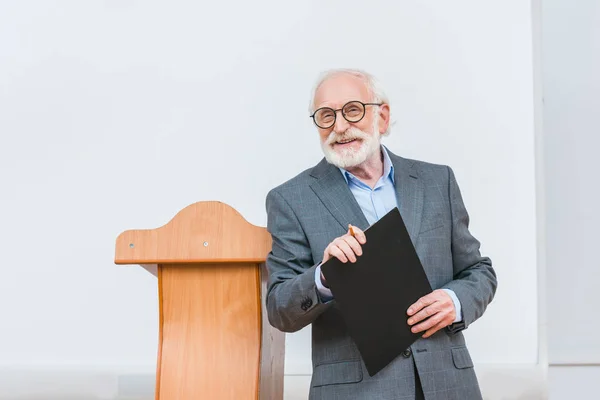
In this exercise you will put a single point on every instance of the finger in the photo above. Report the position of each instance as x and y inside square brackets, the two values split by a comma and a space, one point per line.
[345, 247]
[442, 324]
[445, 303]
[421, 303]
[353, 243]
[359, 235]
[427, 324]
[424, 314]
[337, 253]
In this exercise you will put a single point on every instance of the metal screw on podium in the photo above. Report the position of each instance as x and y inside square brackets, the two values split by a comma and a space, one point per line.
[205, 244]
[131, 245]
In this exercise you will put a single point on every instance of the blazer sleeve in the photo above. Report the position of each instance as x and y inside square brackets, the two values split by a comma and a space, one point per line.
[292, 296]
[474, 280]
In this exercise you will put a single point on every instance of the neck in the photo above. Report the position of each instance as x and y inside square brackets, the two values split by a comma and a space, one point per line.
[370, 170]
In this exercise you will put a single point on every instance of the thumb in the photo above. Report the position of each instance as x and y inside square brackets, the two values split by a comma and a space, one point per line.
[357, 233]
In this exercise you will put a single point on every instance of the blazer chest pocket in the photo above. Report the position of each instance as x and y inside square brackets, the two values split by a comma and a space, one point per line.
[431, 222]
[337, 373]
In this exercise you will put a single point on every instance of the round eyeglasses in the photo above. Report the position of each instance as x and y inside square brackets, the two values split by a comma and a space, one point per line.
[352, 111]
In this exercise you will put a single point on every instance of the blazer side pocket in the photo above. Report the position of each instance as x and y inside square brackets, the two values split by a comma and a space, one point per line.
[461, 357]
[340, 372]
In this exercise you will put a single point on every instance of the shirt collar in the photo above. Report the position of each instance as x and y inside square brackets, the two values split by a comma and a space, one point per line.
[388, 167]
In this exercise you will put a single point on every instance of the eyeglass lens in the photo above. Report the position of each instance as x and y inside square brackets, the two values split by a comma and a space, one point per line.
[352, 112]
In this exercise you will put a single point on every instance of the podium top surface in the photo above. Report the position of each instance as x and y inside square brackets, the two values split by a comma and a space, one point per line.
[203, 232]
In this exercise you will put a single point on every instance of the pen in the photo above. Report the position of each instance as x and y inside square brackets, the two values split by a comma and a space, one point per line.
[351, 230]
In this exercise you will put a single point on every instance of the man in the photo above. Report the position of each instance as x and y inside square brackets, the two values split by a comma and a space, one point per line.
[358, 182]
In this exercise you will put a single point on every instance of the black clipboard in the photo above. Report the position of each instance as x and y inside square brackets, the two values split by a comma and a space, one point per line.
[374, 293]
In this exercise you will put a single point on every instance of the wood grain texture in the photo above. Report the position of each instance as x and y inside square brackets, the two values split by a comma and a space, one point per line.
[228, 237]
[215, 341]
[211, 332]
[161, 324]
[272, 355]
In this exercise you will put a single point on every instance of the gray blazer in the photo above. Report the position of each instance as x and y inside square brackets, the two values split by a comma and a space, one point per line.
[307, 212]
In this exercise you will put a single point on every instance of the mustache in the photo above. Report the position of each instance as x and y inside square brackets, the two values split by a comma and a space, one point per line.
[352, 133]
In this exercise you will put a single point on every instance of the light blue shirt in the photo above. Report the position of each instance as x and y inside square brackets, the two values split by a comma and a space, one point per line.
[375, 203]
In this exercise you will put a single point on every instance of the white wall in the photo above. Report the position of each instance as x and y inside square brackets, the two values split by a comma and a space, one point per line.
[114, 115]
[571, 64]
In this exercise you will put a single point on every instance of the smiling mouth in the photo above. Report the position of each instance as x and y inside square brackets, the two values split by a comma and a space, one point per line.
[345, 141]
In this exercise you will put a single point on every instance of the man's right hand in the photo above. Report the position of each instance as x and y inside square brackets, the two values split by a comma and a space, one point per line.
[345, 248]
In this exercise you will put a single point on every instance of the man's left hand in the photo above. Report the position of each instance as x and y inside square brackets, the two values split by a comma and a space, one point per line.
[431, 313]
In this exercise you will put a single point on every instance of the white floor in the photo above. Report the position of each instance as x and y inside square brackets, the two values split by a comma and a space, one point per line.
[498, 383]
[574, 382]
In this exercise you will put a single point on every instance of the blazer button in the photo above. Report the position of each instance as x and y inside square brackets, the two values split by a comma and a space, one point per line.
[406, 353]
[306, 303]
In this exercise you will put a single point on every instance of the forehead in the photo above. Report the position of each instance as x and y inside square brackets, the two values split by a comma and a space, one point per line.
[339, 89]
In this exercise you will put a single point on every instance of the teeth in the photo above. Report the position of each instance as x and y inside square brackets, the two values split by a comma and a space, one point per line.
[345, 141]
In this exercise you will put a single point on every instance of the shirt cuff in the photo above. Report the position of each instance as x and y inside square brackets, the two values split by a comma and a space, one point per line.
[457, 306]
[324, 292]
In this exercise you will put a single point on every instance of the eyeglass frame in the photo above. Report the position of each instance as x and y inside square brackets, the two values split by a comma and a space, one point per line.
[343, 115]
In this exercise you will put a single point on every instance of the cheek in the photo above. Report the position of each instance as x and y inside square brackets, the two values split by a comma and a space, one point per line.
[365, 124]
[324, 134]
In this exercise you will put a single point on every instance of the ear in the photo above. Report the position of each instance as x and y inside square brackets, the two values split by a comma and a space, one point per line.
[384, 118]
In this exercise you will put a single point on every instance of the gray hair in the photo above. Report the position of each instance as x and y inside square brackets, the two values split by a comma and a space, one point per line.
[375, 89]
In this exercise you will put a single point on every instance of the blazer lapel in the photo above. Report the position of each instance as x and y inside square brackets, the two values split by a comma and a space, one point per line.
[409, 194]
[332, 189]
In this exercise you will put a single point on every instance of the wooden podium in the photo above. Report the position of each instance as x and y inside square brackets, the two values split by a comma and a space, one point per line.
[215, 341]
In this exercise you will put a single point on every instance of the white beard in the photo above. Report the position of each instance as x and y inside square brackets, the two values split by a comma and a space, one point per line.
[348, 158]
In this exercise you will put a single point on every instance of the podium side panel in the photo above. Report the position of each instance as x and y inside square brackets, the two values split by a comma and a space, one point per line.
[272, 355]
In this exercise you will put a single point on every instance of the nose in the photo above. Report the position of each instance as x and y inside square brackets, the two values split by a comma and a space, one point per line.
[341, 125]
